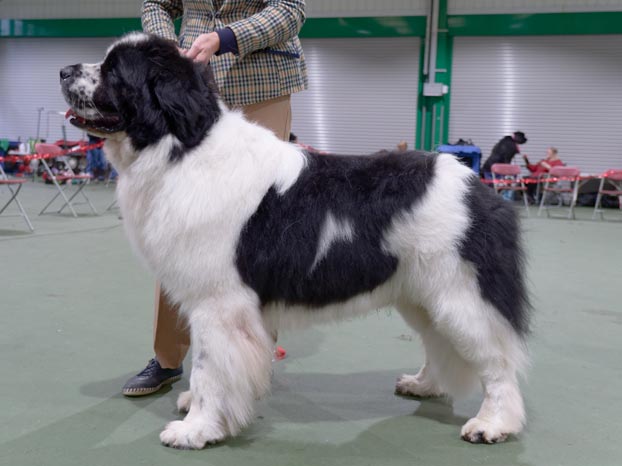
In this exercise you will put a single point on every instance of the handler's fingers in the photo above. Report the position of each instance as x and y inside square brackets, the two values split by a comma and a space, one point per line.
[203, 57]
[193, 51]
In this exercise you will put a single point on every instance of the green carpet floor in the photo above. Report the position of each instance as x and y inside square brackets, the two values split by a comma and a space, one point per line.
[76, 322]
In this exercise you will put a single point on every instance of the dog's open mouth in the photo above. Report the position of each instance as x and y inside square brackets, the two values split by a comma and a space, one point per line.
[104, 124]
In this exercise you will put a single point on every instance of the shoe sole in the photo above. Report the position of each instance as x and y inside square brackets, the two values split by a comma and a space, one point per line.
[150, 390]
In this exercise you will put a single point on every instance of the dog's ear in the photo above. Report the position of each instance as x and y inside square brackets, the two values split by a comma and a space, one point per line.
[127, 74]
[186, 94]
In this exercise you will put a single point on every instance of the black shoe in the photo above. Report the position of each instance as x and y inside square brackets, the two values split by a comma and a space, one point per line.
[151, 379]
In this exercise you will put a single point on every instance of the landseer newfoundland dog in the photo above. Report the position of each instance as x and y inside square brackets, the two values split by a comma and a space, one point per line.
[249, 234]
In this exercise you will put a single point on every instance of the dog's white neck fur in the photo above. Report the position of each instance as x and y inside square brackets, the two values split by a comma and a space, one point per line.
[231, 141]
[218, 184]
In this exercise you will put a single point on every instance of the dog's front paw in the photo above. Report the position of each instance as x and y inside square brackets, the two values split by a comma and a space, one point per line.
[184, 401]
[479, 431]
[189, 435]
[412, 385]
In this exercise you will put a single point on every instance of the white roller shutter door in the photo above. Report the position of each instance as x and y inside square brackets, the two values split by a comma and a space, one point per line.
[362, 94]
[562, 91]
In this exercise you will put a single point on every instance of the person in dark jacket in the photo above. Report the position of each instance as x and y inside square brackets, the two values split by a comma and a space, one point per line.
[503, 152]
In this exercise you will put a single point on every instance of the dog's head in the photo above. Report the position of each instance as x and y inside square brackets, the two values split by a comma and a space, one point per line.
[143, 89]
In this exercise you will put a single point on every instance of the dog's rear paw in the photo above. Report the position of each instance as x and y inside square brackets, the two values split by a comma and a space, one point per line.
[479, 431]
[411, 385]
[189, 435]
[184, 401]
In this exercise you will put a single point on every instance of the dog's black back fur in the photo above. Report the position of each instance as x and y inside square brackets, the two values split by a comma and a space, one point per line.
[279, 243]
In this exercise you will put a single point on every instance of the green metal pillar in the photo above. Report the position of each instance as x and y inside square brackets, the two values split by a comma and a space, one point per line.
[433, 101]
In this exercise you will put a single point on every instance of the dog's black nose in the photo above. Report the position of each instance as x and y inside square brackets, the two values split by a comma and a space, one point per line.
[66, 72]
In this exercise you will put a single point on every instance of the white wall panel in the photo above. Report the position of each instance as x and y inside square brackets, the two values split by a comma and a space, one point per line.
[481, 7]
[36, 9]
[562, 91]
[362, 94]
[29, 73]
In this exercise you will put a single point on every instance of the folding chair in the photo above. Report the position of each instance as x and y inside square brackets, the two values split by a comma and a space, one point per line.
[560, 181]
[506, 178]
[113, 205]
[14, 186]
[69, 177]
[614, 178]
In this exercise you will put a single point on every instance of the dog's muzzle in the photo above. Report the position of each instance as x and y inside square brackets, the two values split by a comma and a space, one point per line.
[83, 114]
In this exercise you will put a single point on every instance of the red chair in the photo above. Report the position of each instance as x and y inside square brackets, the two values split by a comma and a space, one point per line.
[614, 179]
[561, 181]
[507, 177]
[14, 186]
[68, 178]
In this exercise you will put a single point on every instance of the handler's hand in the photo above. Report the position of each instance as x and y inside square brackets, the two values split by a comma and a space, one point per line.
[204, 47]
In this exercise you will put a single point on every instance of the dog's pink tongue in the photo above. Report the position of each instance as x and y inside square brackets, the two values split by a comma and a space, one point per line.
[69, 113]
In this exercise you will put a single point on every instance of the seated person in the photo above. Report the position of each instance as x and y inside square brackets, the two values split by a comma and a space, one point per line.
[543, 166]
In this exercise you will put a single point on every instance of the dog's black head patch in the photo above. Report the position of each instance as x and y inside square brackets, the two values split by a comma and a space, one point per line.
[146, 88]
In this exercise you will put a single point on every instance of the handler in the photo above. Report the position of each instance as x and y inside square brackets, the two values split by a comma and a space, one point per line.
[503, 152]
[257, 60]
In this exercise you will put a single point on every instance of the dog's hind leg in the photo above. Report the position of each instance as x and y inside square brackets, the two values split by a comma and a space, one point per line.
[422, 384]
[490, 346]
[444, 371]
[231, 366]
[425, 383]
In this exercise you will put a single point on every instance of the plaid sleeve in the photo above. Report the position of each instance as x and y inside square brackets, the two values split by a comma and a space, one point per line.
[278, 22]
[158, 16]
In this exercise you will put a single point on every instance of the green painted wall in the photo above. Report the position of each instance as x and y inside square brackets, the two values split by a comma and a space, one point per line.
[433, 131]
[396, 26]
[536, 24]
[458, 25]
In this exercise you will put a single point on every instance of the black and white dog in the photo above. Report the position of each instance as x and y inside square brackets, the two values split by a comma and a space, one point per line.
[248, 235]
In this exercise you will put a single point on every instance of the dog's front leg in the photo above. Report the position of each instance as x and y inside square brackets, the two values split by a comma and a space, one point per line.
[231, 366]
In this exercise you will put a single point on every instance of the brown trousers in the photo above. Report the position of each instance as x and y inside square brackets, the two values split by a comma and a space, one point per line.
[171, 338]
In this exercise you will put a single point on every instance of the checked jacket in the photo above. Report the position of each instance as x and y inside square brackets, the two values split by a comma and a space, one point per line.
[269, 63]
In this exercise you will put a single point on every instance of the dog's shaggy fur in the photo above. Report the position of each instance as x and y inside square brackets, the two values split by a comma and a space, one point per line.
[248, 235]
